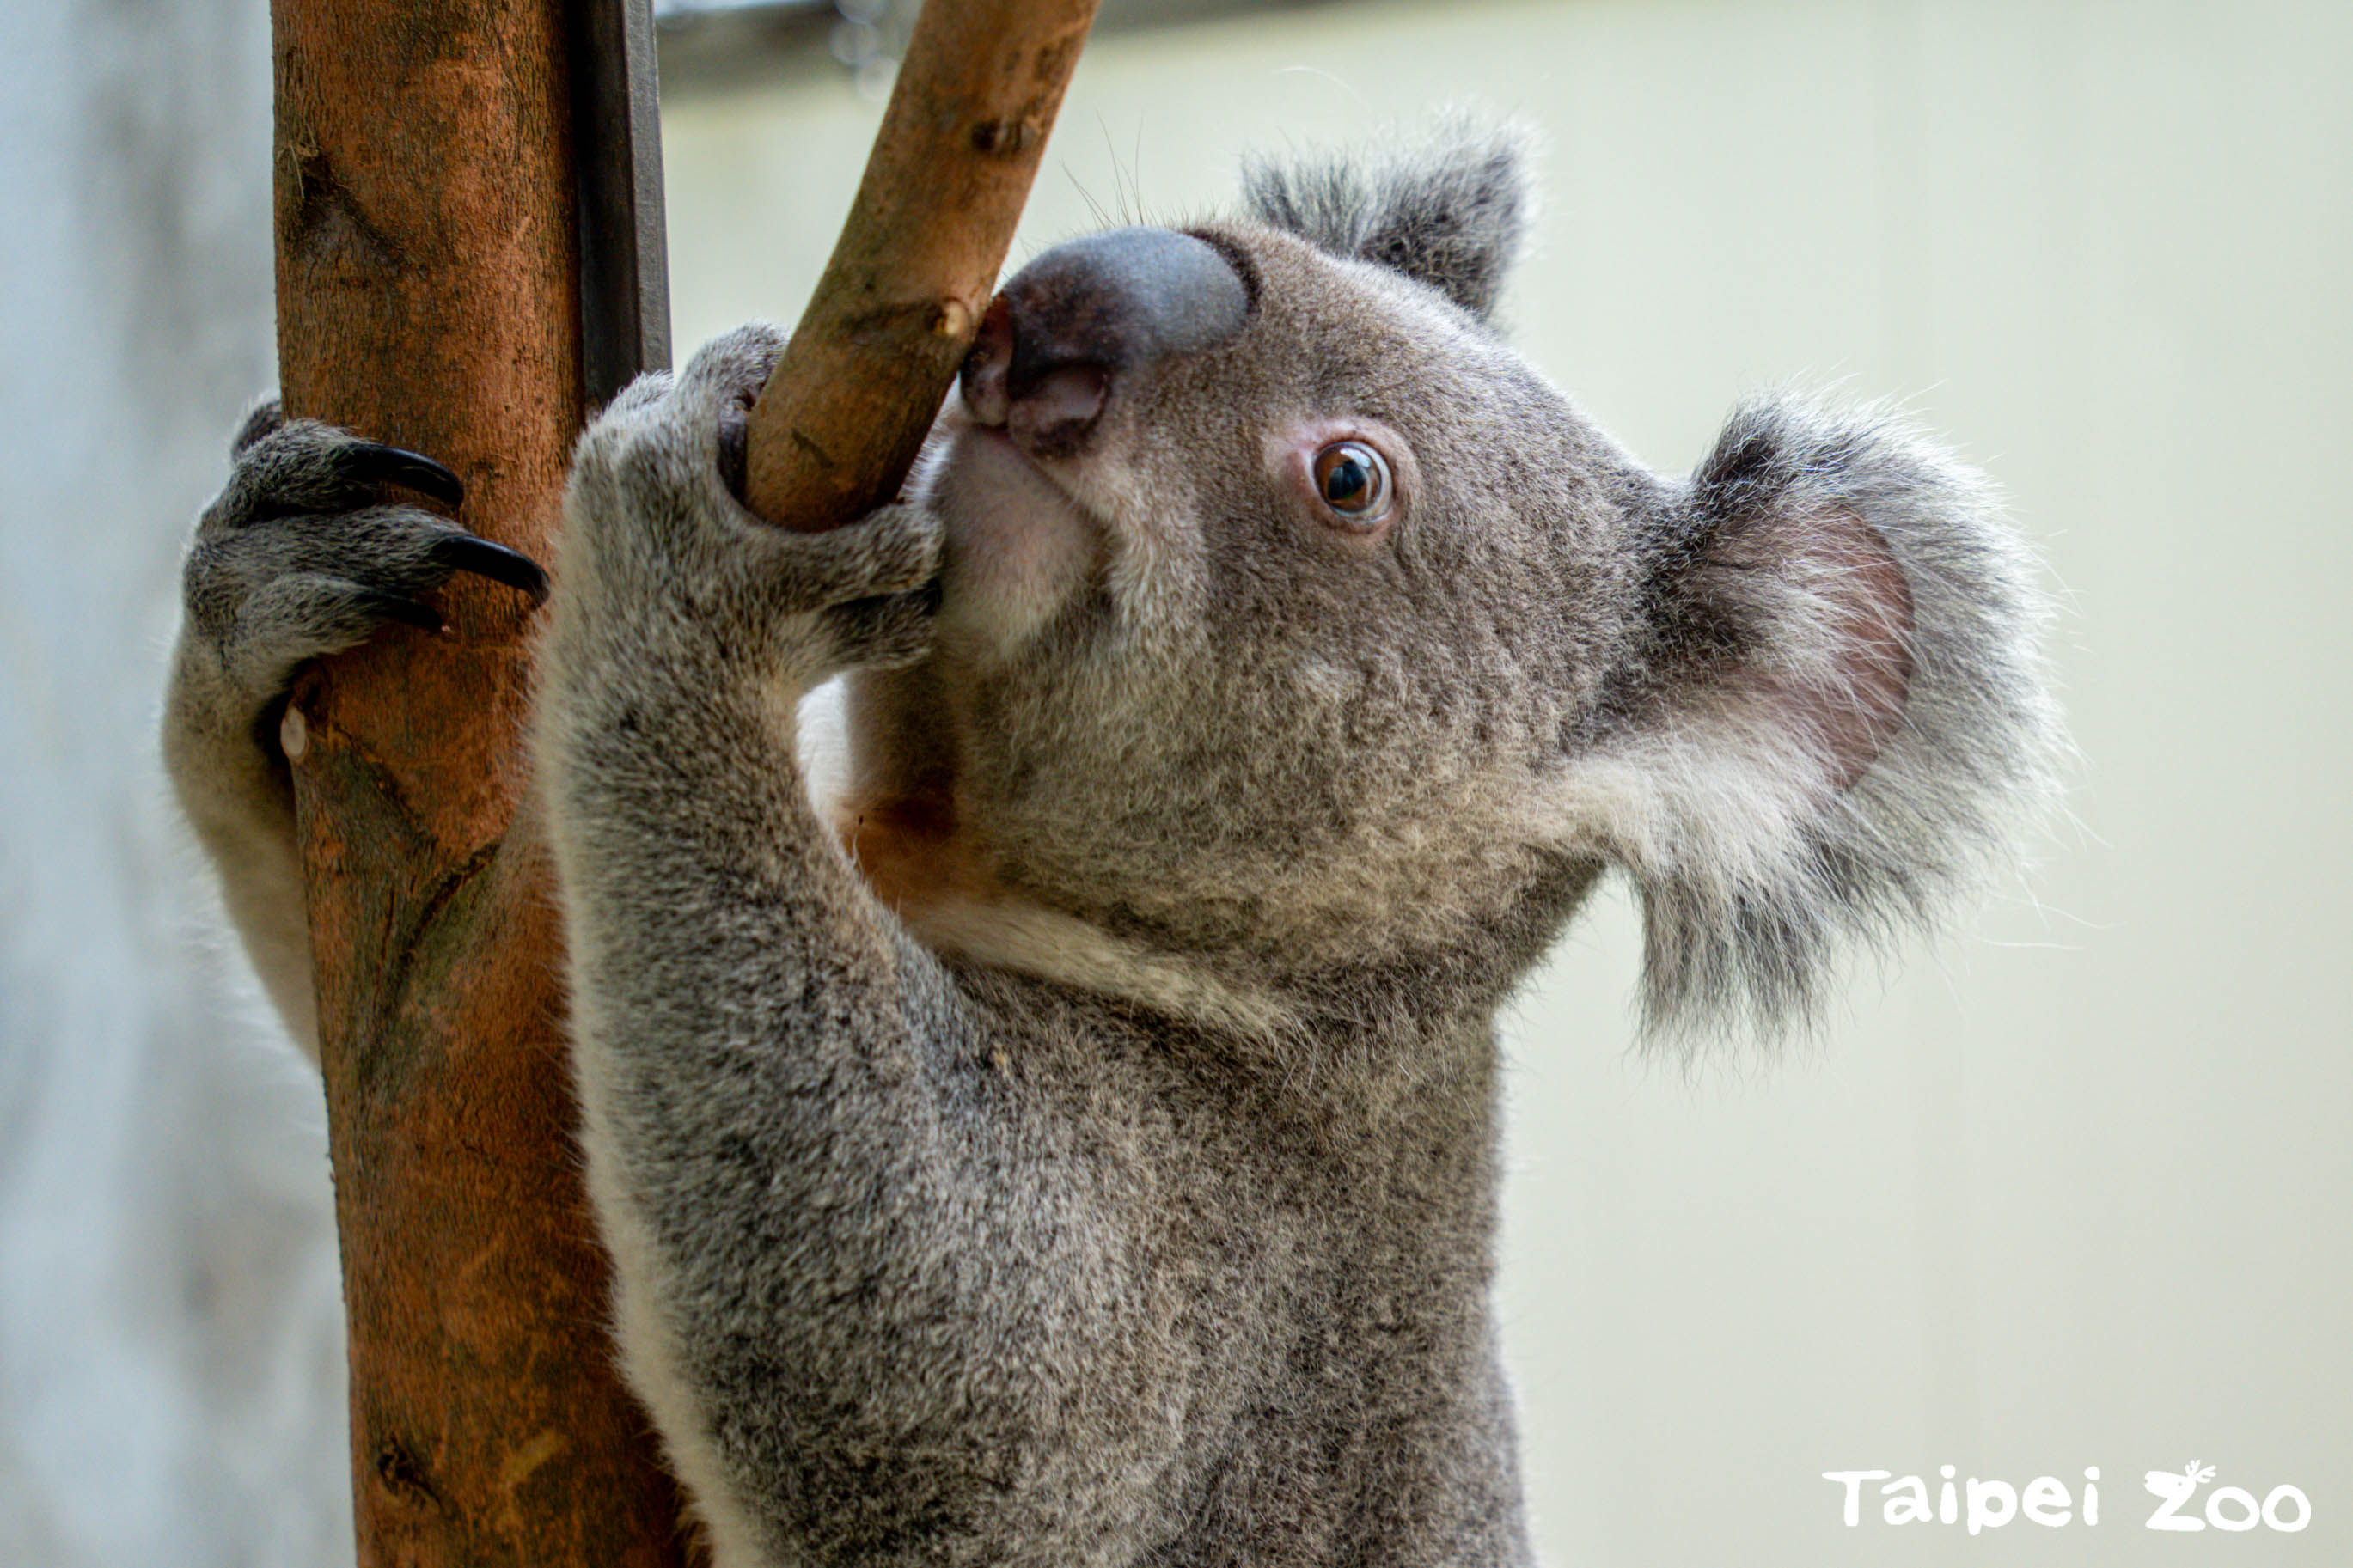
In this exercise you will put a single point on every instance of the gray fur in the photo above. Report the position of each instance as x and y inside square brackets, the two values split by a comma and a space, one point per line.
[1449, 211]
[1753, 937]
[1083, 1149]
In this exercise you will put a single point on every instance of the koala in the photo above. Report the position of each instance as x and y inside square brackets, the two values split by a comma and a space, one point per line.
[1075, 1140]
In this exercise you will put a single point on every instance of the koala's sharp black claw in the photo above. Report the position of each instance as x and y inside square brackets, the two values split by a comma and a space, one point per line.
[391, 464]
[471, 552]
[408, 612]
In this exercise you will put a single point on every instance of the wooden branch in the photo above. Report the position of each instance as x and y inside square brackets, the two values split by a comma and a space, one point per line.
[429, 296]
[843, 417]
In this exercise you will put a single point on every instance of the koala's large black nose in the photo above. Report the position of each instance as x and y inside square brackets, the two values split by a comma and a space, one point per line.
[1069, 326]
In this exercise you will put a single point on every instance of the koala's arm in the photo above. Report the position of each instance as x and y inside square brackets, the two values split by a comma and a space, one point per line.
[837, 1255]
[307, 551]
[232, 784]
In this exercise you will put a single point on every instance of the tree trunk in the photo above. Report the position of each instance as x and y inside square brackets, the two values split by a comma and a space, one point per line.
[429, 295]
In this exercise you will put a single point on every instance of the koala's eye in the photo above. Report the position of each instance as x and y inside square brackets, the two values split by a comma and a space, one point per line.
[1354, 481]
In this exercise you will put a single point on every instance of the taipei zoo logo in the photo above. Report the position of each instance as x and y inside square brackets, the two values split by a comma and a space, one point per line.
[2047, 1501]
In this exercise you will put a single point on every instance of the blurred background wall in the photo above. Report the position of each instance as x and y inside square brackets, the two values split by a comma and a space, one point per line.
[171, 1357]
[2070, 1189]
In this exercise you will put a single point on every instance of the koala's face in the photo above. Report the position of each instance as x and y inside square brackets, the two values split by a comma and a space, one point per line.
[1268, 638]
[1288, 612]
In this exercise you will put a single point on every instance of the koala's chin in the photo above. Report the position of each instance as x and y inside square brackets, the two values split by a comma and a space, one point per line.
[1015, 544]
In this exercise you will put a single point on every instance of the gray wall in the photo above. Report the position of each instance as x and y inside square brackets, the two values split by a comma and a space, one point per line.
[2069, 1189]
[171, 1373]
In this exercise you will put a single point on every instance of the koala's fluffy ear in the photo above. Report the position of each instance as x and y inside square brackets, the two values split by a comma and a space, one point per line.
[1450, 212]
[1838, 716]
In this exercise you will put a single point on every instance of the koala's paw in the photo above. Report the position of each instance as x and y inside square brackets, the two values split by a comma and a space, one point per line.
[669, 561]
[308, 551]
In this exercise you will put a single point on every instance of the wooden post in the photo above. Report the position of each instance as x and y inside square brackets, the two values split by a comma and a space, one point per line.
[429, 295]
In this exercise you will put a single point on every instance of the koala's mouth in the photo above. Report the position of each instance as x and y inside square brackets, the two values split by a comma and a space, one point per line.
[1018, 542]
[988, 466]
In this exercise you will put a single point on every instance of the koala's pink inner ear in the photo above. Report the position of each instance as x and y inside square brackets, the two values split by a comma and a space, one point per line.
[1838, 667]
[1875, 624]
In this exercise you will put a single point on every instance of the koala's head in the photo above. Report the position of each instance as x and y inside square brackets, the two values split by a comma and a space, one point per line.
[1291, 618]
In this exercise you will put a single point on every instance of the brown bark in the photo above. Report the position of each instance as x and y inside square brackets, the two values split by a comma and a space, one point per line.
[841, 420]
[429, 297]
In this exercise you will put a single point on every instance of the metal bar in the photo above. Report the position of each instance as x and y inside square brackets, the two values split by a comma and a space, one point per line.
[616, 138]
